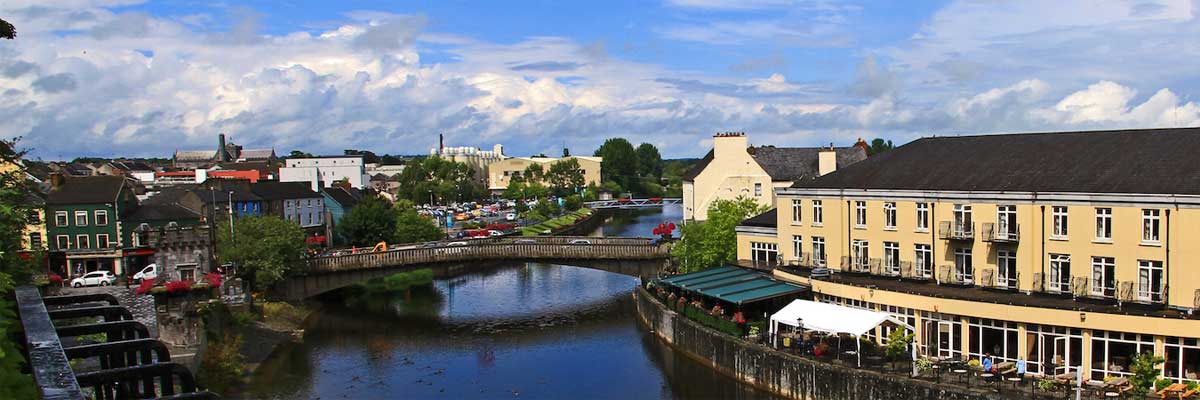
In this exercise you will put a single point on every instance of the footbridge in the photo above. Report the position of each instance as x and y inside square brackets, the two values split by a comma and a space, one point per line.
[633, 203]
[639, 257]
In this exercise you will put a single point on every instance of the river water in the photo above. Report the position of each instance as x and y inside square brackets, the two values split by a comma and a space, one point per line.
[518, 330]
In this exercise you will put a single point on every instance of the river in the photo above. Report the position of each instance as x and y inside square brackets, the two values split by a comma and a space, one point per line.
[518, 330]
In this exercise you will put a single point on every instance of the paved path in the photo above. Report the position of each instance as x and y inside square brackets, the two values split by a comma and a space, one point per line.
[142, 307]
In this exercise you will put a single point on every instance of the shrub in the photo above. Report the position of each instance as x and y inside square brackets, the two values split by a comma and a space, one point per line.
[214, 279]
[1161, 383]
[1145, 371]
[280, 311]
[178, 286]
[221, 365]
[924, 365]
[897, 345]
[55, 279]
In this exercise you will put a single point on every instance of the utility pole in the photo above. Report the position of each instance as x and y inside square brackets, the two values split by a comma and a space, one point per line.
[231, 215]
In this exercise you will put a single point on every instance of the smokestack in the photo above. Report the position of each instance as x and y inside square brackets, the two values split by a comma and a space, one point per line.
[441, 144]
[222, 155]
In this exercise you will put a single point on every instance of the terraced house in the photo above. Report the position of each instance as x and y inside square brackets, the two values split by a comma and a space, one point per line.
[83, 223]
[1071, 251]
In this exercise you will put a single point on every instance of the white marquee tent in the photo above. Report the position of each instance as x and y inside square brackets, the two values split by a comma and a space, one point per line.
[833, 319]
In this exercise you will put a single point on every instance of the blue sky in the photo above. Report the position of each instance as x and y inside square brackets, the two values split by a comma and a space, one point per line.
[127, 77]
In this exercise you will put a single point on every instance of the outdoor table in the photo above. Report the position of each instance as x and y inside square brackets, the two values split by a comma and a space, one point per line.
[1112, 395]
[1177, 390]
[1015, 381]
[937, 372]
[962, 376]
[987, 377]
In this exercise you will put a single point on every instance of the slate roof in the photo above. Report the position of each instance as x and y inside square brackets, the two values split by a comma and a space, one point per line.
[246, 166]
[283, 190]
[162, 212]
[765, 220]
[222, 196]
[256, 154]
[87, 190]
[128, 165]
[343, 197]
[1146, 161]
[195, 155]
[786, 163]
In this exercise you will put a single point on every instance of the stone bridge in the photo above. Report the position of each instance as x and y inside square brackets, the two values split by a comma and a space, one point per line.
[639, 257]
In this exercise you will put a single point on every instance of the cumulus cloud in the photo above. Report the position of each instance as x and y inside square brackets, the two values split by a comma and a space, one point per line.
[55, 83]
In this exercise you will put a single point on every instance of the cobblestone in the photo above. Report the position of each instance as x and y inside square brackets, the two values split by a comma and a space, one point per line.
[142, 307]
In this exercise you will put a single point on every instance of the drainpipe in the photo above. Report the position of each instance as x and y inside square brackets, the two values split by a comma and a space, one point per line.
[1167, 263]
[849, 215]
[933, 240]
[1043, 207]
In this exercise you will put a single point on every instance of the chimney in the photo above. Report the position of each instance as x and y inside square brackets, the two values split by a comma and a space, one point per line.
[222, 155]
[729, 145]
[826, 160]
[499, 150]
[57, 180]
[441, 143]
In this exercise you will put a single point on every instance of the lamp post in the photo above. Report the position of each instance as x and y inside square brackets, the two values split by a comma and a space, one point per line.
[231, 215]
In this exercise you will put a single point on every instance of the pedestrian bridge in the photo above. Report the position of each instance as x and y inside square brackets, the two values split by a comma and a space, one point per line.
[639, 257]
[632, 203]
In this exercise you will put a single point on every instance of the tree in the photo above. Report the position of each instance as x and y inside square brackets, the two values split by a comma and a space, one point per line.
[1145, 368]
[299, 154]
[534, 173]
[619, 164]
[573, 202]
[371, 221]
[711, 243]
[566, 152]
[650, 163]
[14, 211]
[369, 157]
[7, 30]
[444, 180]
[412, 227]
[565, 176]
[264, 249]
[879, 146]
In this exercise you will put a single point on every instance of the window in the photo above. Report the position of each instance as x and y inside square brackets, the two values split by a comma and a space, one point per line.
[1113, 352]
[923, 217]
[1060, 273]
[818, 216]
[963, 226]
[1059, 216]
[1104, 224]
[35, 240]
[818, 251]
[891, 258]
[1104, 280]
[1007, 266]
[861, 255]
[62, 242]
[860, 214]
[998, 338]
[60, 218]
[101, 217]
[81, 218]
[797, 206]
[33, 217]
[1150, 280]
[963, 269]
[889, 215]
[1006, 222]
[1053, 350]
[924, 261]
[766, 253]
[1182, 358]
[797, 246]
[102, 241]
[81, 242]
[1150, 223]
[757, 190]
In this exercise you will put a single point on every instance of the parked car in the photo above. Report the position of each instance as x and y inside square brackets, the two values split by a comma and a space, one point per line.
[525, 241]
[510, 216]
[456, 244]
[580, 241]
[94, 278]
[150, 272]
[494, 232]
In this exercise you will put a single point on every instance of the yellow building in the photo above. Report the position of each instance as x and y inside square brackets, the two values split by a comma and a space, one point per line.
[1070, 251]
[33, 238]
[734, 169]
[500, 173]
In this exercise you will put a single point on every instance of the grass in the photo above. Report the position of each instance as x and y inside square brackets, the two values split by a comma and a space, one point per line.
[554, 224]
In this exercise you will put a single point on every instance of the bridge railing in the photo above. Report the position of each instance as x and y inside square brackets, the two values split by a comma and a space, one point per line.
[626, 249]
[633, 203]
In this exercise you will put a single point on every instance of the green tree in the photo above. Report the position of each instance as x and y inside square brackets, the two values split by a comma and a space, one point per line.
[14, 211]
[515, 190]
[620, 163]
[1145, 370]
[299, 154]
[370, 222]
[534, 173]
[444, 180]
[412, 227]
[565, 176]
[263, 249]
[879, 146]
[712, 243]
[7, 30]
[566, 152]
[573, 202]
[650, 162]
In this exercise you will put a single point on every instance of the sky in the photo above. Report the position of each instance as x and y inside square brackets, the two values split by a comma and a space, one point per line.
[131, 78]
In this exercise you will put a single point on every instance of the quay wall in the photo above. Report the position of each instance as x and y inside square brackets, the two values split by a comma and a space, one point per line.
[780, 373]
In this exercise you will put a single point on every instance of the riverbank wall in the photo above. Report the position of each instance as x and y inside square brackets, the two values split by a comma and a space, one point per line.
[781, 373]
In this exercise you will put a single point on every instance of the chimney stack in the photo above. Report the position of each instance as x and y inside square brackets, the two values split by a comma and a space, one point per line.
[728, 145]
[441, 144]
[57, 180]
[826, 160]
[222, 155]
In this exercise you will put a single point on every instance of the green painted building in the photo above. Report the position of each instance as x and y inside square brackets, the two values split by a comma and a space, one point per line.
[83, 225]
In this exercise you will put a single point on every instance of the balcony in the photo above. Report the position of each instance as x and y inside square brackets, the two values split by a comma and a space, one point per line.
[856, 265]
[1152, 294]
[955, 230]
[991, 278]
[1001, 233]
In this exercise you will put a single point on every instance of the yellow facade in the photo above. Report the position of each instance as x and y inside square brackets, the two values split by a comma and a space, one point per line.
[1146, 274]
[33, 237]
[500, 173]
[732, 173]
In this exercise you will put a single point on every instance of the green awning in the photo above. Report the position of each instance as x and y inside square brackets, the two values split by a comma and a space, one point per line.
[710, 285]
[706, 272]
[765, 293]
[701, 280]
[741, 286]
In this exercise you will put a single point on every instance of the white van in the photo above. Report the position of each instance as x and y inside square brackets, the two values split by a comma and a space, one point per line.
[150, 272]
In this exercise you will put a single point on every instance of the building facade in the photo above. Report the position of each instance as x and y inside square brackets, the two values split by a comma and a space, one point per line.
[292, 201]
[502, 172]
[320, 172]
[478, 159]
[1071, 251]
[734, 169]
[83, 224]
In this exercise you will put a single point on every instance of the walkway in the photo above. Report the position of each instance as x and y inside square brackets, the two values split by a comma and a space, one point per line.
[633, 203]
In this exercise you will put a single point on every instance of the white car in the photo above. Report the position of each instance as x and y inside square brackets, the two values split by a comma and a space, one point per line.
[101, 278]
[494, 232]
[456, 244]
[510, 216]
[580, 241]
[150, 272]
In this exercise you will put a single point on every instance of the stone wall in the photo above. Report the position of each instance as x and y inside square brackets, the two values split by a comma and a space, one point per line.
[784, 374]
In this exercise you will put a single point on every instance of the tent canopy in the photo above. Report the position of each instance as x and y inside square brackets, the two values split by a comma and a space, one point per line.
[831, 318]
[734, 285]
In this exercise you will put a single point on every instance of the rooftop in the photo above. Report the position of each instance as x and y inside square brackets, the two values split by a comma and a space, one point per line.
[764, 220]
[162, 212]
[787, 163]
[1142, 161]
[283, 190]
[87, 190]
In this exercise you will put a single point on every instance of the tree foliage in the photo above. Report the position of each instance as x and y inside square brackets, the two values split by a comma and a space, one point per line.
[411, 227]
[564, 177]
[7, 30]
[620, 163]
[263, 249]
[369, 222]
[650, 163]
[447, 181]
[711, 243]
[14, 270]
[879, 146]
[1145, 368]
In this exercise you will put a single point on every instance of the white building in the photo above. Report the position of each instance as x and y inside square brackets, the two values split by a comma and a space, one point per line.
[320, 172]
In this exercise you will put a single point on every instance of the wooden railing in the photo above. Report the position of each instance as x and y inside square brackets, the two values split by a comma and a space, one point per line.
[501, 249]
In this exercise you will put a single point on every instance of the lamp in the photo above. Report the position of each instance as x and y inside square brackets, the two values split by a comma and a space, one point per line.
[1082, 317]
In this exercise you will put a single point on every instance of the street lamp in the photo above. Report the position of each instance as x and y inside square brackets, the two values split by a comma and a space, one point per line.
[231, 215]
